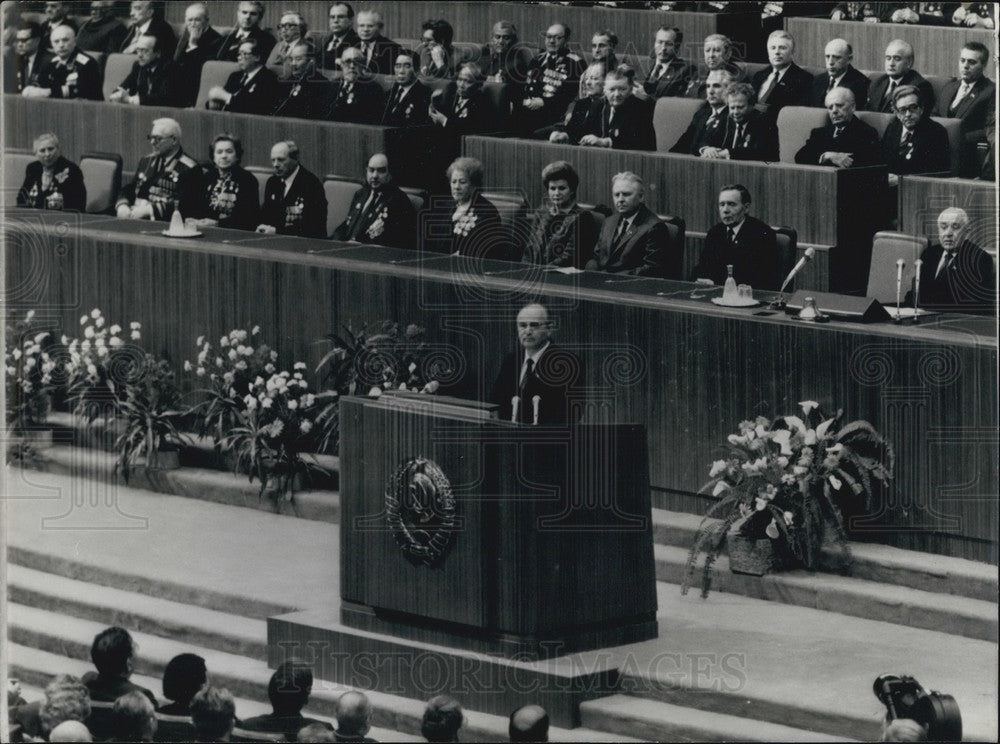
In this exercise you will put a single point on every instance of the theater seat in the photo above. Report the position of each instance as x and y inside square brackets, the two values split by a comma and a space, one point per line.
[174, 728]
[497, 93]
[675, 248]
[671, 117]
[887, 248]
[14, 163]
[261, 173]
[513, 209]
[418, 197]
[116, 69]
[788, 244]
[937, 84]
[102, 175]
[339, 191]
[466, 52]
[240, 734]
[213, 73]
[794, 125]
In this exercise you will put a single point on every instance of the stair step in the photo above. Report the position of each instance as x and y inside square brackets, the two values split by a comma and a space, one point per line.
[652, 720]
[972, 618]
[138, 612]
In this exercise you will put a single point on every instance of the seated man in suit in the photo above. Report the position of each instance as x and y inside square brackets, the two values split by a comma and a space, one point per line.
[912, 143]
[898, 72]
[342, 36]
[844, 141]
[747, 135]
[103, 32]
[68, 73]
[622, 121]
[249, 16]
[112, 653]
[163, 179]
[739, 240]
[708, 118]
[354, 715]
[380, 212]
[547, 381]
[355, 97]
[56, 14]
[380, 53]
[213, 713]
[198, 44]
[23, 65]
[553, 81]
[152, 80]
[504, 60]
[408, 101]
[292, 30]
[784, 83]
[252, 89]
[718, 55]
[143, 20]
[671, 75]
[839, 72]
[956, 275]
[634, 240]
[305, 93]
[288, 690]
[294, 200]
[970, 97]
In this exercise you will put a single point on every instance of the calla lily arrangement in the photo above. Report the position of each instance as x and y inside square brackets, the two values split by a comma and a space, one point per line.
[790, 480]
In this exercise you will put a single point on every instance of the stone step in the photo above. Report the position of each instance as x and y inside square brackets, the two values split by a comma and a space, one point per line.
[971, 618]
[652, 720]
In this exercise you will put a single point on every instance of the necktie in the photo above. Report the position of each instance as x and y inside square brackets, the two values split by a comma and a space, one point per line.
[243, 80]
[529, 371]
[373, 198]
[772, 81]
[963, 91]
[738, 137]
[399, 97]
[904, 144]
[832, 85]
[732, 235]
[346, 90]
[657, 72]
[837, 131]
[888, 94]
[622, 227]
[946, 258]
[366, 48]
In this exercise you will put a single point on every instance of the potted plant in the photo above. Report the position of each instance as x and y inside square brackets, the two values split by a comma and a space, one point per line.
[29, 385]
[782, 489]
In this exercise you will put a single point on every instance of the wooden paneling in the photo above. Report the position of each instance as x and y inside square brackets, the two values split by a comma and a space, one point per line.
[655, 354]
[922, 199]
[936, 48]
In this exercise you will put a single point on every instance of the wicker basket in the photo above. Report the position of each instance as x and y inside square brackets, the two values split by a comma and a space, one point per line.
[753, 557]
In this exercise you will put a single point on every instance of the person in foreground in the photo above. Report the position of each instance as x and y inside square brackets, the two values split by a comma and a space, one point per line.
[529, 723]
[52, 181]
[539, 370]
[442, 719]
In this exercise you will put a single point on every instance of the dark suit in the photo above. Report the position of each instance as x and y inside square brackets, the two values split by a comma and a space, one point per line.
[360, 102]
[478, 233]
[304, 97]
[18, 73]
[55, 75]
[476, 115]
[302, 211]
[105, 35]
[759, 139]
[857, 138]
[510, 68]
[106, 690]
[289, 725]
[561, 239]
[974, 109]
[233, 202]
[67, 180]
[166, 39]
[698, 83]
[876, 93]
[408, 111]
[155, 84]
[381, 55]
[792, 89]
[573, 123]
[642, 250]
[673, 81]
[557, 379]
[388, 220]
[229, 47]
[188, 63]
[754, 255]
[555, 78]
[329, 53]
[630, 129]
[259, 95]
[928, 151]
[855, 81]
[165, 184]
[702, 125]
[967, 285]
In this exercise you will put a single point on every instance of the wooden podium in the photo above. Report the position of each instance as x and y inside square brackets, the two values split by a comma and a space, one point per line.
[462, 530]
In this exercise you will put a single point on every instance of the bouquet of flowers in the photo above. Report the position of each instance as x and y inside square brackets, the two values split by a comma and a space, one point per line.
[788, 480]
[99, 365]
[29, 372]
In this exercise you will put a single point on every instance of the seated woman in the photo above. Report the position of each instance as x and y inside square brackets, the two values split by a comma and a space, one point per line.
[463, 107]
[230, 196]
[562, 234]
[437, 57]
[621, 121]
[475, 227]
[182, 678]
[52, 181]
[571, 127]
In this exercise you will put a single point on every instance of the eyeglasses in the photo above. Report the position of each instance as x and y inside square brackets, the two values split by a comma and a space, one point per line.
[911, 109]
[24, 41]
[157, 138]
[555, 37]
[502, 37]
[244, 55]
[288, 25]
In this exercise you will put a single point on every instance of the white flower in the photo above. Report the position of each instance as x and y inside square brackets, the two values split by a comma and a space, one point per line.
[431, 387]
[16, 353]
[40, 336]
[218, 361]
[269, 368]
[255, 330]
[274, 356]
[95, 313]
[299, 365]
[808, 405]
[11, 370]
[292, 405]
[200, 372]
[135, 326]
[782, 437]
[64, 340]
[227, 377]
[239, 335]
[83, 320]
[267, 403]
[375, 392]
[718, 467]
[92, 370]
[99, 322]
[251, 403]
[29, 363]
[202, 356]
[297, 375]
[224, 341]
[88, 332]
[305, 426]
[788, 518]
[29, 316]
[85, 346]
[115, 329]
[135, 335]
[719, 488]
[402, 386]
[199, 342]
[308, 399]
[810, 438]
[259, 381]
[187, 366]
[241, 365]
[102, 351]
[232, 354]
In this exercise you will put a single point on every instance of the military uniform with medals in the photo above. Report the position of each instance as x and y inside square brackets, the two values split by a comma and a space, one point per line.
[163, 182]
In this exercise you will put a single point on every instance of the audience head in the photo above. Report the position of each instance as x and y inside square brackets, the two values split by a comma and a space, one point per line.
[556, 37]
[186, 673]
[292, 26]
[196, 19]
[534, 327]
[341, 18]
[593, 79]
[284, 158]
[133, 718]
[55, 12]
[249, 14]
[734, 204]
[837, 55]
[504, 36]
[113, 649]
[46, 148]
[780, 49]
[438, 31]
[469, 79]
[529, 723]
[377, 174]
[972, 61]
[70, 731]
[147, 49]
[903, 729]
[952, 224]
[300, 57]
[617, 87]
[248, 56]
[718, 50]
[443, 715]
[27, 38]
[840, 105]
[101, 9]
[561, 182]
[225, 151]
[907, 105]
[213, 713]
[603, 44]
[315, 732]
[140, 11]
[63, 39]
[164, 137]
[352, 63]
[667, 41]
[66, 699]
[628, 192]
[292, 682]
[715, 87]
[898, 58]
[406, 67]
[369, 24]
[354, 712]
[465, 175]
[740, 98]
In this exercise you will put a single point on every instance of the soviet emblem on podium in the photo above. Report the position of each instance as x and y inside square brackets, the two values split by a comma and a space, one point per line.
[420, 510]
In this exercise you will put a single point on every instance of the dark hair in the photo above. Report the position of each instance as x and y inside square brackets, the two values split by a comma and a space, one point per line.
[612, 36]
[442, 719]
[742, 89]
[442, 30]
[213, 712]
[350, 10]
[289, 687]
[33, 26]
[560, 170]
[978, 48]
[156, 42]
[252, 43]
[529, 723]
[111, 651]
[185, 673]
[744, 191]
[678, 34]
[414, 57]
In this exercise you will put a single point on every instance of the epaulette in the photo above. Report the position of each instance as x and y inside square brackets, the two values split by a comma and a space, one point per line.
[82, 59]
[188, 161]
[574, 56]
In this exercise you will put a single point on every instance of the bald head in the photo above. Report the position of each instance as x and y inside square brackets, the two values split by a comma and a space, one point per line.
[952, 224]
[354, 713]
[534, 328]
[529, 723]
[70, 731]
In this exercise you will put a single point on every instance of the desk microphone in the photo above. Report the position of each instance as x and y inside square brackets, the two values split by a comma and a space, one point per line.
[900, 263]
[806, 258]
[535, 400]
[515, 403]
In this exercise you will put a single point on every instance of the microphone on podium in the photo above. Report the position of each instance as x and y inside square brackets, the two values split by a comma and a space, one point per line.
[515, 403]
[806, 258]
[535, 400]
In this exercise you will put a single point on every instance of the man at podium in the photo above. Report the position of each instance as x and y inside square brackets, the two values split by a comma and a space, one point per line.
[538, 383]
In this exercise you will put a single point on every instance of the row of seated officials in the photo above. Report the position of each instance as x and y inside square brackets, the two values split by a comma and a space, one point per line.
[559, 234]
[106, 706]
[552, 90]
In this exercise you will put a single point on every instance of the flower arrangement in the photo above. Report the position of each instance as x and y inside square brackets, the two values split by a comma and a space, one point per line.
[29, 368]
[788, 480]
[98, 365]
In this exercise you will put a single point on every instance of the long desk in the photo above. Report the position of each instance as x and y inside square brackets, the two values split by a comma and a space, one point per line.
[922, 199]
[656, 352]
[936, 48]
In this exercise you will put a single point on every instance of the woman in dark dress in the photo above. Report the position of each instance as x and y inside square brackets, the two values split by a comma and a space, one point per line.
[562, 234]
[475, 224]
[437, 57]
[52, 181]
[463, 107]
[230, 196]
